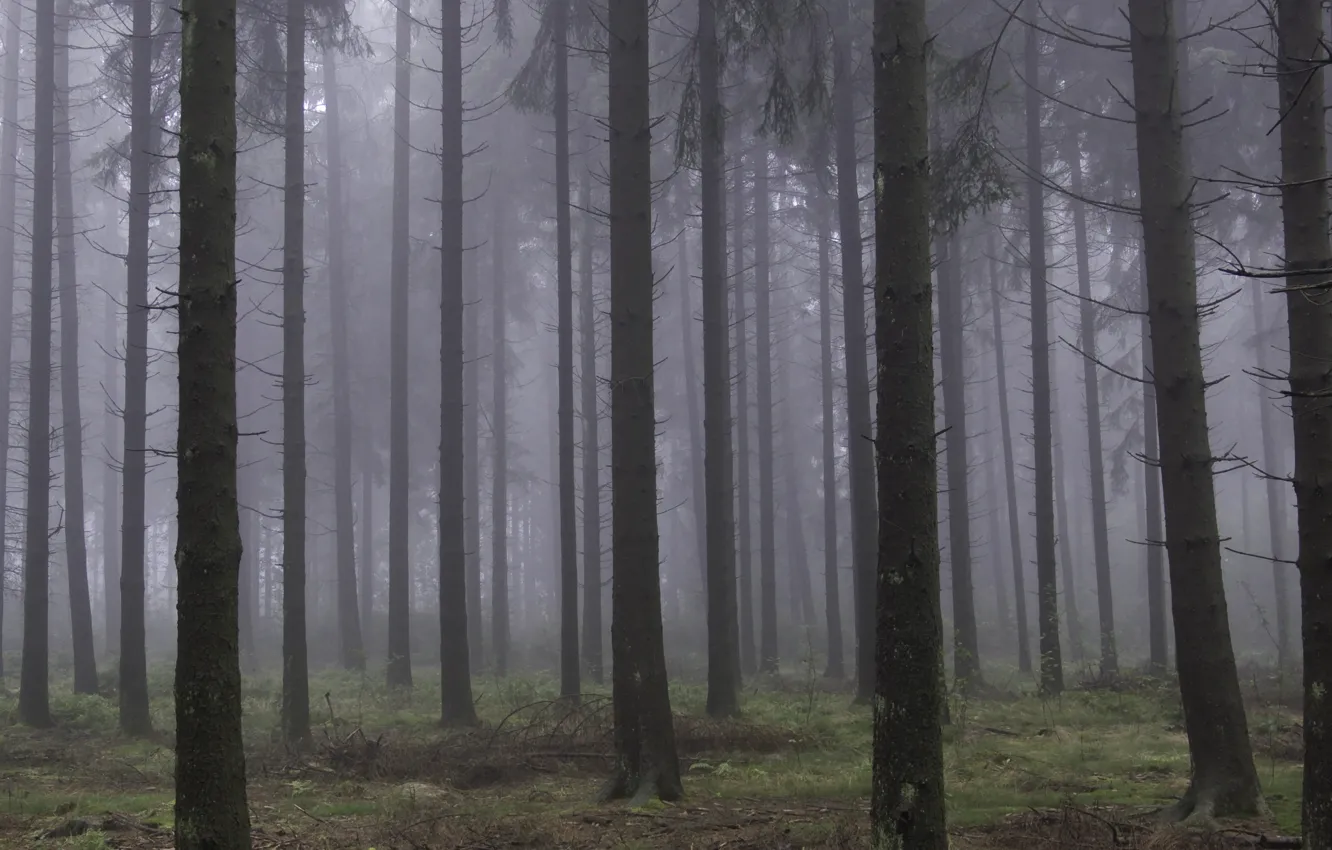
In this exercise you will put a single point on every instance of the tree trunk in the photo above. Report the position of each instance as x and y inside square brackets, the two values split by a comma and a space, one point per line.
[1276, 495]
[768, 652]
[994, 551]
[9, 166]
[499, 424]
[110, 479]
[1305, 206]
[645, 764]
[349, 615]
[34, 704]
[860, 454]
[744, 551]
[456, 705]
[832, 604]
[248, 592]
[472, 447]
[907, 792]
[1224, 781]
[717, 518]
[211, 811]
[1062, 508]
[133, 690]
[399, 673]
[366, 594]
[76, 545]
[1052, 672]
[1158, 651]
[587, 319]
[952, 356]
[295, 657]
[697, 464]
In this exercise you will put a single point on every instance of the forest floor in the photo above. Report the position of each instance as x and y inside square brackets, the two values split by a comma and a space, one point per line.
[1087, 770]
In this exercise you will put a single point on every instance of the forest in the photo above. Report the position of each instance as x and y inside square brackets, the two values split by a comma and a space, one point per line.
[745, 424]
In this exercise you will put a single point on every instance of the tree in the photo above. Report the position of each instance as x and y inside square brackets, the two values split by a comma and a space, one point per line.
[8, 191]
[1276, 500]
[587, 326]
[456, 707]
[907, 794]
[110, 481]
[211, 811]
[34, 684]
[134, 716]
[399, 673]
[831, 583]
[744, 538]
[1224, 781]
[1301, 55]
[295, 655]
[349, 616]
[645, 759]
[768, 653]
[499, 493]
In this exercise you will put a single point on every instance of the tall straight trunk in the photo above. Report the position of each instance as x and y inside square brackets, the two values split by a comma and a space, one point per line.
[76, 540]
[646, 763]
[1305, 211]
[456, 705]
[768, 651]
[499, 426]
[799, 588]
[248, 593]
[349, 614]
[1092, 393]
[9, 167]
[907, 791]
[399, 672]
[110, 478]
[952, 357]
[994, 550]
[570, 669]
[34, 706]
[472, 448]
[366, 595]
[1010, 469]
[1276, 496]
[1062, 508]
[744, 502]
[832, 603]
[133, 690]
[860, 454]
[697, 473]
[587, 321]
[1158, 651]
[295, 656]
[719, 563]
[1224, 781]
[1052, 672]
[211, 811]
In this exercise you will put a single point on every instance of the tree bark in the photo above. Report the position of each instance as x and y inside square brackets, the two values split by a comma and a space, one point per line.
[9, 166]
[1062, 508]
[587, 318]
[399, 672]
[744, 536]
[349, 614]
[1224, 781]
[1300, 58]
[1158, 651]
[499, 494]
[1052, 672]
[34, 703]
[76, 545]
[832, 604]
[211, 811]
[697, 463]
[645, 760]
[768, 651]
[110, 478]
[1276, 496]
[472, 446]
[907, 790]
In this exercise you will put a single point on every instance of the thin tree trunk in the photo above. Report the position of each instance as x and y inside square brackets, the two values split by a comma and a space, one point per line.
[592, 623]
[399, 673]
[349, 615]
[768, 651]
[34, 703]
[1224, 781]
[907, 792]
[295, 657]
[1062, 508]
[211, 811]
[1052, 672]
[994, 503]
[456, 705]
[697, 473]
[1158, 651]
[836, 668]
[248, 592]
[76, 540]
[9, 166]
[499, 494]
[133, 690]
[1276, 495]
[1305, 207]
[744, 550]
[646, 763]
[110, 478]
[366, 595]
[472, 448]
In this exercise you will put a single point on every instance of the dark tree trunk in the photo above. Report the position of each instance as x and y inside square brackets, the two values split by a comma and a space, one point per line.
[768, 652]
[860, 454]
[76, 546]
[295, 656]
[994, 551]
[744, 550]
[723, 676]
[211, 812]
[9, 167]
[110, 478]
[697, 463]
[907, 793]
[134, 717]
[1052, 672]
[248, 592]
[349, 615]
[1224, 781]
[472, 448]
[1305, 208]
[1062, 509]
[34, 703]
[952, 355]
[587, 319]
[1158, 651]
[645, 760]
[399, 673]
[1276, 495]
[499, 425]
[831, 581]
[456, 706]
